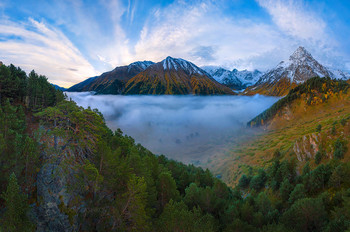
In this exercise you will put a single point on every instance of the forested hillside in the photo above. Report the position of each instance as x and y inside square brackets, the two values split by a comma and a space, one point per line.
[63, 169]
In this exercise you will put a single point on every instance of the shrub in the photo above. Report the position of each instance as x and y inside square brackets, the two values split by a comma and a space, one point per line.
[276, 154]
[244, 181]
[319, 128]
[343, 122]
[333, 131]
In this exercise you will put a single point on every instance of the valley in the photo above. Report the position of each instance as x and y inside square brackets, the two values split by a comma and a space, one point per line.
[258, 159]
[188, 128]
[212, 133]
[174, 116]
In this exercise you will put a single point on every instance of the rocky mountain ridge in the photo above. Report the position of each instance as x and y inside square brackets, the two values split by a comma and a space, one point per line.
[300, 67]
[112, 82]
[178, 76]
[170, 76]
[175, 76]
[234, 79]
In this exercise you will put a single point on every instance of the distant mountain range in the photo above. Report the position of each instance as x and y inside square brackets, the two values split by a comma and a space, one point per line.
[234, 79]
[178, 76]
[59, 87]
[170, 76]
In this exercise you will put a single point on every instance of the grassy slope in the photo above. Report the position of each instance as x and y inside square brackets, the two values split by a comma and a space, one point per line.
[295, 123]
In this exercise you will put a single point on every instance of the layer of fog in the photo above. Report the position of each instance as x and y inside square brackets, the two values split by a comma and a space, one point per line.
[185, 128]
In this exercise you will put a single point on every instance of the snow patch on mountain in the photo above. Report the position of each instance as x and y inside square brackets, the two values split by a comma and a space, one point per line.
[141, 64]
[177, 63]
[339, 74]
[248, 77]
[234, 79]
[300, 67]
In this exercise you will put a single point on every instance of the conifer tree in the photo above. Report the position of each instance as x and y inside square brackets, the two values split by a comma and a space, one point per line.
[15, 217]
[12, 136]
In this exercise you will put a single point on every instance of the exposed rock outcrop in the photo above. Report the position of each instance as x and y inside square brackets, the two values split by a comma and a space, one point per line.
[307, 146]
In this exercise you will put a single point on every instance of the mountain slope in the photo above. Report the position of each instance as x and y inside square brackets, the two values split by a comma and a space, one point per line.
[59, 87]
[174, 76]
[234, 79]
[112, 82]
[313, 91]
[248, 78]
[83, 86]
[225, 77]
[300, 67]
[312, 123]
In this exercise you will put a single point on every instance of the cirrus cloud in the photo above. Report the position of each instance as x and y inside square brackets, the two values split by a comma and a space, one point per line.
[293, 18]
[34, 45]
[184, 30]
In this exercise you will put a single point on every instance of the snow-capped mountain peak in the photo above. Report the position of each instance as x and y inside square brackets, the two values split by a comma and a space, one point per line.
[298, 68]
[300, 54]
[177, 63]
[141, 64]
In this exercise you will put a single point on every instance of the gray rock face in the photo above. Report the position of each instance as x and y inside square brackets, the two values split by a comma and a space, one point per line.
[307, 146]
[51, 194]
[300, 67]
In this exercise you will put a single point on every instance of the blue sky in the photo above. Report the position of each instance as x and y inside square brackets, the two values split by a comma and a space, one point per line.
[69, 41]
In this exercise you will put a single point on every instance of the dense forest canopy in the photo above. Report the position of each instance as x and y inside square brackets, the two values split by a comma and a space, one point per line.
[103, 181]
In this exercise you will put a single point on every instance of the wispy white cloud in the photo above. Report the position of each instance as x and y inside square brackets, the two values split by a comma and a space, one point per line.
[295, 19]
[184, 30]
[34, 45]
[131, 10]
[115, 50]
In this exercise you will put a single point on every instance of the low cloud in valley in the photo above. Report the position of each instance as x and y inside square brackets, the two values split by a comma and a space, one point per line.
[185, 128]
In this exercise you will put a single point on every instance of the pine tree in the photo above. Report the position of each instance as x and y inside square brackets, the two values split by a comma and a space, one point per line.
[306, 214]
[166, 188]
[12, 137]
[298, 193]
[133, 210]
[339, 149]
[15, 218]
[285, 189]
[244, 181]
[318, 157]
